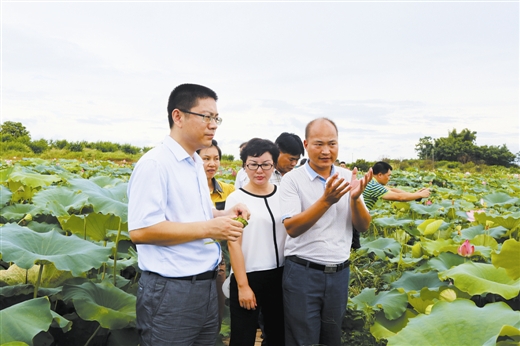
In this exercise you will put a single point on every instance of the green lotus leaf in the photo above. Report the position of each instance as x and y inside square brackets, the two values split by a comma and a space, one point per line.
[508, 258]
[26, 248]
[5, 195]
[472, 232]
[60, 201]
[15, 343]
[16, 212]
[22, 289]
[51, 277]
[435, 247]
[430, 226]
[94, 226]
[392, 302]
[485, 241]
[511, 335]
[459, 323]
[391, 222]
[104, 303]
[431, 210]
[42, 227]
[415, 282]
[383, 328]
[445, 261]
[480, 278]
[405, 261]
[106, 182]
[33, 180]
[382, 246]
[401, 205]
[508, 221]
[21, 322]
[499, 198]
[105, 200]
[60, 322]
[470, 197]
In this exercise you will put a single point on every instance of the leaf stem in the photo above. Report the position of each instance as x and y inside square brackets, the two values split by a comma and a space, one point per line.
[37, 285]
[115, 250]
[92, 336]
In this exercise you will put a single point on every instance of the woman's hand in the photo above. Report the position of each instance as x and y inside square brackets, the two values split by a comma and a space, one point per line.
[247, 298]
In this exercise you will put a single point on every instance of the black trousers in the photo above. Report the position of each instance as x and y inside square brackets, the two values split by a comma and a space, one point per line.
[267, 286]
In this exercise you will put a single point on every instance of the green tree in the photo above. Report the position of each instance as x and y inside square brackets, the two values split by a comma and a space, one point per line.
[38, 146]
[424, 147]
[14, 131]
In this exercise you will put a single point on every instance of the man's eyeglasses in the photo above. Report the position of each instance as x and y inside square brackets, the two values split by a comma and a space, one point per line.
[264, 166]
[206, 118]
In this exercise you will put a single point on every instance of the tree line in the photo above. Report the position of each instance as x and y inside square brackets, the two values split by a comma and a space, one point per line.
[461, 147]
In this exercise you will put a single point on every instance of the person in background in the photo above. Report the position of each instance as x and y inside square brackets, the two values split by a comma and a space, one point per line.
[257, 258]
[376, 187]
[219, 191]
[321, 203]
[171, 219]
[343, 164]
[303, 161]
[241, 178]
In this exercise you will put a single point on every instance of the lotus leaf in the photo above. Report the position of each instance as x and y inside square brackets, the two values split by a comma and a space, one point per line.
[511, 333]
[5, 195]
[430, 210]
[510, 221]
[391, 222]
[97, 226]
[480, 278]
[430, 226]
[33, 180]
[485, 241]
[42, 227]
[435, 247]
[508, 258]
[60, 201]
[105, 201]
[110, 306]
[382, 246]
[383, 328]
[415, 282]
[472, 232]
[21, 322]
[445, 261]
[459, 323]
[392, 302]
[51, 277]
[499, 198]
[26, 248]
[16, 212]
[10, 291]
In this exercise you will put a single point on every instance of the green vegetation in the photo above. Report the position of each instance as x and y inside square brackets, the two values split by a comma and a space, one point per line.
[461, 147]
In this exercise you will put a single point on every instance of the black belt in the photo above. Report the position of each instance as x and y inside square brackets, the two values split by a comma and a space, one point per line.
[326, 268]
[211, 274]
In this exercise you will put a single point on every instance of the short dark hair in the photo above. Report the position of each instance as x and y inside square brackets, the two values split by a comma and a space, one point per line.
[309, 125]
[214, 143]
[257, 147]
[381, 167]
[303, 161]
[290, 143]
[186, 96]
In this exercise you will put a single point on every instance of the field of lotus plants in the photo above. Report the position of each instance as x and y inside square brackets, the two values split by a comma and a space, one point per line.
[441, 271]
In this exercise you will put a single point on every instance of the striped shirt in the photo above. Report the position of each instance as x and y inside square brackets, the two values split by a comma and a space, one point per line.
[372, 192]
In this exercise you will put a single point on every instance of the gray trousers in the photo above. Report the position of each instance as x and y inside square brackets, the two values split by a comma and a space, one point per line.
[176, 312]
[315, 304]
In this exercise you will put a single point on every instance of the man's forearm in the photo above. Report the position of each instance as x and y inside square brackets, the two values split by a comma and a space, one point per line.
[360, 215]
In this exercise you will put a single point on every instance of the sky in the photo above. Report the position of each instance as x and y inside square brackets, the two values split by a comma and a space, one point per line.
[388, 73]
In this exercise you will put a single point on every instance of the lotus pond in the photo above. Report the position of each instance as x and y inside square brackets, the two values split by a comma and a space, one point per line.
[440, 271]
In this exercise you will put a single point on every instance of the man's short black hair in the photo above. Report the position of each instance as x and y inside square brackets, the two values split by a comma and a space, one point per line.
[257, 147]
[186, 96]
[289, 143]
[381, 167]
[214, 143]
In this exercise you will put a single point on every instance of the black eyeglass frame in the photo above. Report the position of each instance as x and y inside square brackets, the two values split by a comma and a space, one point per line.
[261, 166]
[206, 118]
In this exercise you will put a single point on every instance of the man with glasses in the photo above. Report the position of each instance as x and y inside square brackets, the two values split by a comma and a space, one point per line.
[321, 204]
[171, 219]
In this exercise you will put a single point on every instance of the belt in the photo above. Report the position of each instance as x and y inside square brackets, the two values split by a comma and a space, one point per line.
[211, 274]
[326, 268]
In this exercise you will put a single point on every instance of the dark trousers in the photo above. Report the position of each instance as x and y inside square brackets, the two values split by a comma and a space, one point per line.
[267, 286]
[314, 304]
[176, 312]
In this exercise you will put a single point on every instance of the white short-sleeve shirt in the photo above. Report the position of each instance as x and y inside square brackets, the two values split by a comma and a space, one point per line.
[167, 184]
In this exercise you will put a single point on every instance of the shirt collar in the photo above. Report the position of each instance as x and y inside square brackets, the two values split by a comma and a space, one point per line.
[217, 188]
[312, 173]
[179, 152]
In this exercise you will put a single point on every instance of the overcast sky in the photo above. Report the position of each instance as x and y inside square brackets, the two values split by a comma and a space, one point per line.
[388, 73]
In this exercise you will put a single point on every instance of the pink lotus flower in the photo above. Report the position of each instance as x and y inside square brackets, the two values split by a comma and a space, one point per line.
[483, 182]
[428, 202]
[471, 214]
[466, 249]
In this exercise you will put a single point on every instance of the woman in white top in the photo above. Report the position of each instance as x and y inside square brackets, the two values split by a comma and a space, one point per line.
[257, 257]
